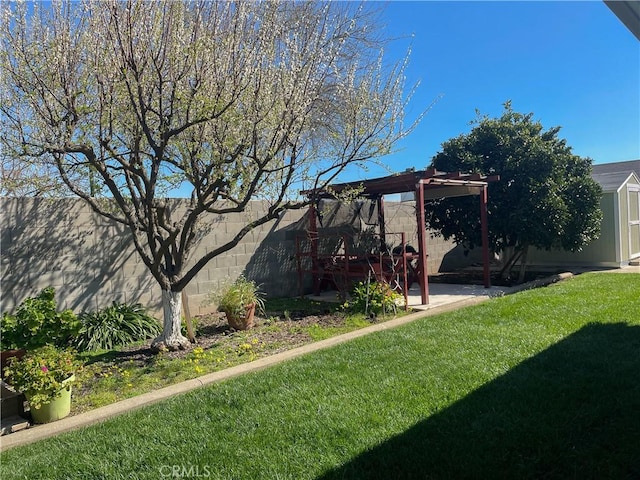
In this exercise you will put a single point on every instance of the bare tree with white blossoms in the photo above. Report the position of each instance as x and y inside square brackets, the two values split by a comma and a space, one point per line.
[235, 100]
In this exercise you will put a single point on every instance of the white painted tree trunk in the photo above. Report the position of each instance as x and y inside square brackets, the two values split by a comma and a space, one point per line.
[171, 338]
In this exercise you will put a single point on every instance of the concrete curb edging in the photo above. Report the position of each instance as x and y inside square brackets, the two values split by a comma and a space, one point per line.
[101, 414]
[542, 282]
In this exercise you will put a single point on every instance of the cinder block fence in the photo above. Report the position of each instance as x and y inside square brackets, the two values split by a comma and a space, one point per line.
[91, 260]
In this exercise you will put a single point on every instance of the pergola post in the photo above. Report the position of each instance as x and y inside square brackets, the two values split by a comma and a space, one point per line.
[313, 237]
[422, 244]
[383, 230]
[485, 237]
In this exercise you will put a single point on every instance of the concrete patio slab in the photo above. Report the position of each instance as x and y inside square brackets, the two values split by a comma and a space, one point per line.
[626, 269]
[440, 294]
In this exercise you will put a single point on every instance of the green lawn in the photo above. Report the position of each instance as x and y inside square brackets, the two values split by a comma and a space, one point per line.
[541, 384]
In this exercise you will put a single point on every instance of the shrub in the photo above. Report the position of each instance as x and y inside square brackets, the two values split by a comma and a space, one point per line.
[37, 323]
[372, 298]
[117, 325]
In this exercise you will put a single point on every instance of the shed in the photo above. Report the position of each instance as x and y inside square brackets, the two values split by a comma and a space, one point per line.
[619, 242]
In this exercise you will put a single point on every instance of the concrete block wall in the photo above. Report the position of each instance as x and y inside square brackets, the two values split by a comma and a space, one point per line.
[62, 243]
[265, 255]
[91, 260]
[401, 217]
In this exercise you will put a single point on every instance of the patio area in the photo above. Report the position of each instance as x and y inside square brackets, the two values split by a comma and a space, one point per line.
[390, 260]
[440, 294]
[446, 293]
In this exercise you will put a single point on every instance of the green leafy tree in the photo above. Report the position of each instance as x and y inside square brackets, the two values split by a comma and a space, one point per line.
[545, 198]
[231, 101]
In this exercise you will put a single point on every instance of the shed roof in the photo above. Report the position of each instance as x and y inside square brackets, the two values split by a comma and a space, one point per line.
[617, 167]
[611, 182]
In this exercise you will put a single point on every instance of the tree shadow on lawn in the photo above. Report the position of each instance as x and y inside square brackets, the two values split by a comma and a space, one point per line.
[572, 411]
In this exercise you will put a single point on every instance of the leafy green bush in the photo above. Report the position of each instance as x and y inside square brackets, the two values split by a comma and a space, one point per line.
[117, 325]
[372, 298]
[37, 323]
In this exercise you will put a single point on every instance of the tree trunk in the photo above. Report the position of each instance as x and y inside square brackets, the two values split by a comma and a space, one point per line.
[171, 338]
[523, 263]
[511, 254]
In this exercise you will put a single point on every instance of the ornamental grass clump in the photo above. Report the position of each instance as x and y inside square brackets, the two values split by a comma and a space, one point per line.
[41, 373]
[115, 326]
[234, 299]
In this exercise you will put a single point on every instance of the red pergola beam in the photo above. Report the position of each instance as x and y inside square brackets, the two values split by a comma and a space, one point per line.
[485, 237]
[399, 183]
[422, 244]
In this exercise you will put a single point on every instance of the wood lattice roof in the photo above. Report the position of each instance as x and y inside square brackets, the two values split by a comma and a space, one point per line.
[437, 184]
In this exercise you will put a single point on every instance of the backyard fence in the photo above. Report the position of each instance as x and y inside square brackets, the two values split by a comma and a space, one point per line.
[91, 261]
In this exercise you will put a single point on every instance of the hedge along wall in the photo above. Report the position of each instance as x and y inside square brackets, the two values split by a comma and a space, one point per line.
[91, 260]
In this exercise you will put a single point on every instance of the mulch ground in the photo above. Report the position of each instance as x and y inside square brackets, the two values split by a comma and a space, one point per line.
[213, 329]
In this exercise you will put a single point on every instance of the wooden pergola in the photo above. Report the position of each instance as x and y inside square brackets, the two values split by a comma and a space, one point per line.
[427, 184]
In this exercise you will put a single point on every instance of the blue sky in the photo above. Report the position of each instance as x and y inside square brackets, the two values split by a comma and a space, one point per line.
[572, 64]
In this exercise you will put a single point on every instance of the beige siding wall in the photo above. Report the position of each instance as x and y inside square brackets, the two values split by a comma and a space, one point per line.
[624, 222]
[601, 252]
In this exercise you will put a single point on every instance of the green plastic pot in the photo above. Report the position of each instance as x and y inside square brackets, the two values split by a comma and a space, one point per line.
[57, 408]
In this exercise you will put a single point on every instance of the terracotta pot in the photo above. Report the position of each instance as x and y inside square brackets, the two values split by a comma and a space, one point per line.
[242, 322]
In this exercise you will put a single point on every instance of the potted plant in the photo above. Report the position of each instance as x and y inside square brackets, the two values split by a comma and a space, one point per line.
[239, 302]
[44, 375]
[35, 323]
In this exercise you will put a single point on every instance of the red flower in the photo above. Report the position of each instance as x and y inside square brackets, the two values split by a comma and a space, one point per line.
[44, 368]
